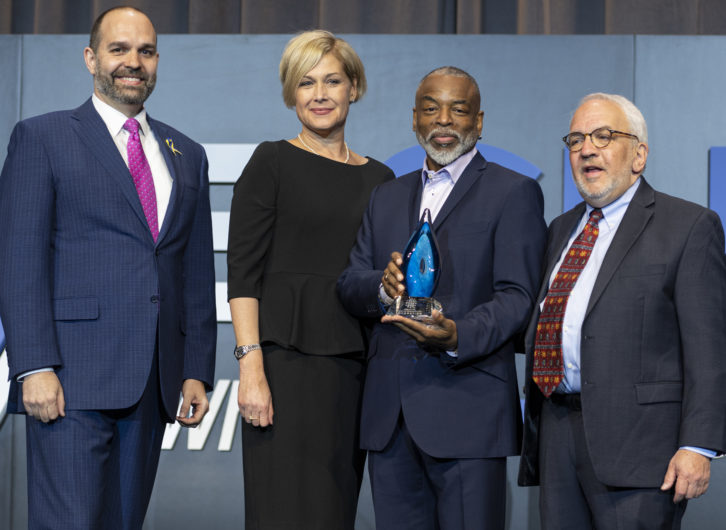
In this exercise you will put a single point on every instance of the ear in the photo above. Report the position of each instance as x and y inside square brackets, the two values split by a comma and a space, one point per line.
[641, 157]
[354, 91]
[479, 121]
[415, 121]
[89, 57]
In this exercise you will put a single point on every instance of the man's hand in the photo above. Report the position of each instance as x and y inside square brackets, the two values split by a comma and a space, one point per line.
[392, 279]
[689, 472]
[254, 397]
[43, 396]
[194, 396]
[438, 332]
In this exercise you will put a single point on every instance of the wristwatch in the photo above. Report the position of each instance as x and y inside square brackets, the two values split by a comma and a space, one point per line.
[241, 351]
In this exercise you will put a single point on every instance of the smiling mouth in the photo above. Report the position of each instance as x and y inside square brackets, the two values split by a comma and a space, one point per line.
[444, 141]
[129, 81]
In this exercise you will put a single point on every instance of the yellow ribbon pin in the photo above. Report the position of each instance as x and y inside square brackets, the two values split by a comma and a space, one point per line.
[170, 145]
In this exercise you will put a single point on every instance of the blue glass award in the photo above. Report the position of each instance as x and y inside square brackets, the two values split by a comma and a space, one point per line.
[420, 268]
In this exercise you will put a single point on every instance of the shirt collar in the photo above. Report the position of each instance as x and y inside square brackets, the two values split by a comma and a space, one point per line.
[453, 170]
[613, 213]
[115, 119]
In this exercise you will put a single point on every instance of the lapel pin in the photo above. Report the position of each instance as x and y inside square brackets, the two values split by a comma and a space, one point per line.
[170, 145]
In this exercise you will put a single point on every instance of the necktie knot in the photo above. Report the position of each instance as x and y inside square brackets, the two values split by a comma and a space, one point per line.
[132, 126]
[595, 216]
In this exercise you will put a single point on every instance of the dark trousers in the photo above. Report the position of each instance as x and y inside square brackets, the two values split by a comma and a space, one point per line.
[571, 496]
[413, 490]
[95, 469]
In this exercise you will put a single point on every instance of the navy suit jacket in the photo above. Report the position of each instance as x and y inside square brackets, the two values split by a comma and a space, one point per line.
[653, 357]
[491, 237]
[83, 286]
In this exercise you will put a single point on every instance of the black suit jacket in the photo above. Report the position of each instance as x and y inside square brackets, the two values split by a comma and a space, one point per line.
[653, 347]
[491, 237]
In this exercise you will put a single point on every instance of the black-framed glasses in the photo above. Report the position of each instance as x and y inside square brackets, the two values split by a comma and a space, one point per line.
[599, 137]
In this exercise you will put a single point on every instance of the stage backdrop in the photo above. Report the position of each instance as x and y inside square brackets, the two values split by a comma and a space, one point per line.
[224, 92]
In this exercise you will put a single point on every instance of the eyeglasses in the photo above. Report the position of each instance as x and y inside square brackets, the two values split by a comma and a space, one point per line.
[599, 137]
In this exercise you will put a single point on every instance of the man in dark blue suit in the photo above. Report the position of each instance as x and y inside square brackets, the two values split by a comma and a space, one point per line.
[441, 406]
[106, 287]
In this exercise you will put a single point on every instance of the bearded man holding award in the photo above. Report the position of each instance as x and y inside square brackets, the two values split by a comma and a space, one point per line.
[441, 406]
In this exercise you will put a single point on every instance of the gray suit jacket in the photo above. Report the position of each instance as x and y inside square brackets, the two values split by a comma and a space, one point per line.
[653, 350]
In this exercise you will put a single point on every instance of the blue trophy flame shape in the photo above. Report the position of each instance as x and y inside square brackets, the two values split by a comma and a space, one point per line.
[421, 269]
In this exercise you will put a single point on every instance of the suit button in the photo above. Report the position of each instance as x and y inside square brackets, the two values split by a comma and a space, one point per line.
[154, 299]
[156, 252]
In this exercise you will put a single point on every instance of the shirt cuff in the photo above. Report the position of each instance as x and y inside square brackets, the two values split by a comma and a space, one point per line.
[383, 297]
[453, 354]
[22, 376]
[701, 451]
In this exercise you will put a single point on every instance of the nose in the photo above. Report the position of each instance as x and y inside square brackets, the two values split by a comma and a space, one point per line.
[588, 148]
[320, 92]
[444, 117]
[132, 60]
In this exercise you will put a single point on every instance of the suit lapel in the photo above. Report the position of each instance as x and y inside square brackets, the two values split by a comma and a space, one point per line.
[470, 175]
[94, 134]
[414, 202]
[634, 222]
[161, 133]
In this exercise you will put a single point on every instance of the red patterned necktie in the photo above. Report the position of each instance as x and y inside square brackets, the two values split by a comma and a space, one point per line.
[141, 173]
[548, 371]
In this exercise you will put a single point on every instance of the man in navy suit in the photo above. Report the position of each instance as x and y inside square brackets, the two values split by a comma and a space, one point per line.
[441, 406]
[106, 287]
[620, 432]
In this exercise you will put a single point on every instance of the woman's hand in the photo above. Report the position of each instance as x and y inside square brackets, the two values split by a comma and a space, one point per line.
[254, 397]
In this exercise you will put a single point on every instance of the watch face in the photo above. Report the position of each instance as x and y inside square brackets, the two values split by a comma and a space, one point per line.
[241, 351]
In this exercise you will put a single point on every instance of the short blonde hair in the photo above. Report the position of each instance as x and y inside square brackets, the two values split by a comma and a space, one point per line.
[305, 50]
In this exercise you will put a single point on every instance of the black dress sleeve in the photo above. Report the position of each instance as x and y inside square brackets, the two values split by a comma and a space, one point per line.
[252, 217]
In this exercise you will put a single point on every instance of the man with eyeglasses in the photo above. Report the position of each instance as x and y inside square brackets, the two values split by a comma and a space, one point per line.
[625, 362]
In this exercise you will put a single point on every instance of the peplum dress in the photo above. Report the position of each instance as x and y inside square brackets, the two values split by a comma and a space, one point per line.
[293, 222]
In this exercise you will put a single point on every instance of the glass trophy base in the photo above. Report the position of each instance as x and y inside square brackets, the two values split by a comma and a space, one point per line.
[414, 307]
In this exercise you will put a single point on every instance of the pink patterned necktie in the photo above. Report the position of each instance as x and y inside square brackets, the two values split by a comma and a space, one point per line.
[141, 173]
[547, 371]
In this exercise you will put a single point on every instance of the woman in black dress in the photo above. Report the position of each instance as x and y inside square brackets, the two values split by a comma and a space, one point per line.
[295, 214]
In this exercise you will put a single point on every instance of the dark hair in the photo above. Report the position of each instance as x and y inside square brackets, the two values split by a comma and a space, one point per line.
[95, 39]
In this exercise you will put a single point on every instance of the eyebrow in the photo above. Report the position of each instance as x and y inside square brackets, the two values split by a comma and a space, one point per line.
[455, 102]
[125, 44]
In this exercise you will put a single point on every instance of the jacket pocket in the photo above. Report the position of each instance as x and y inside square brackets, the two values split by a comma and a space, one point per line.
[659, 392]
[75, 308]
